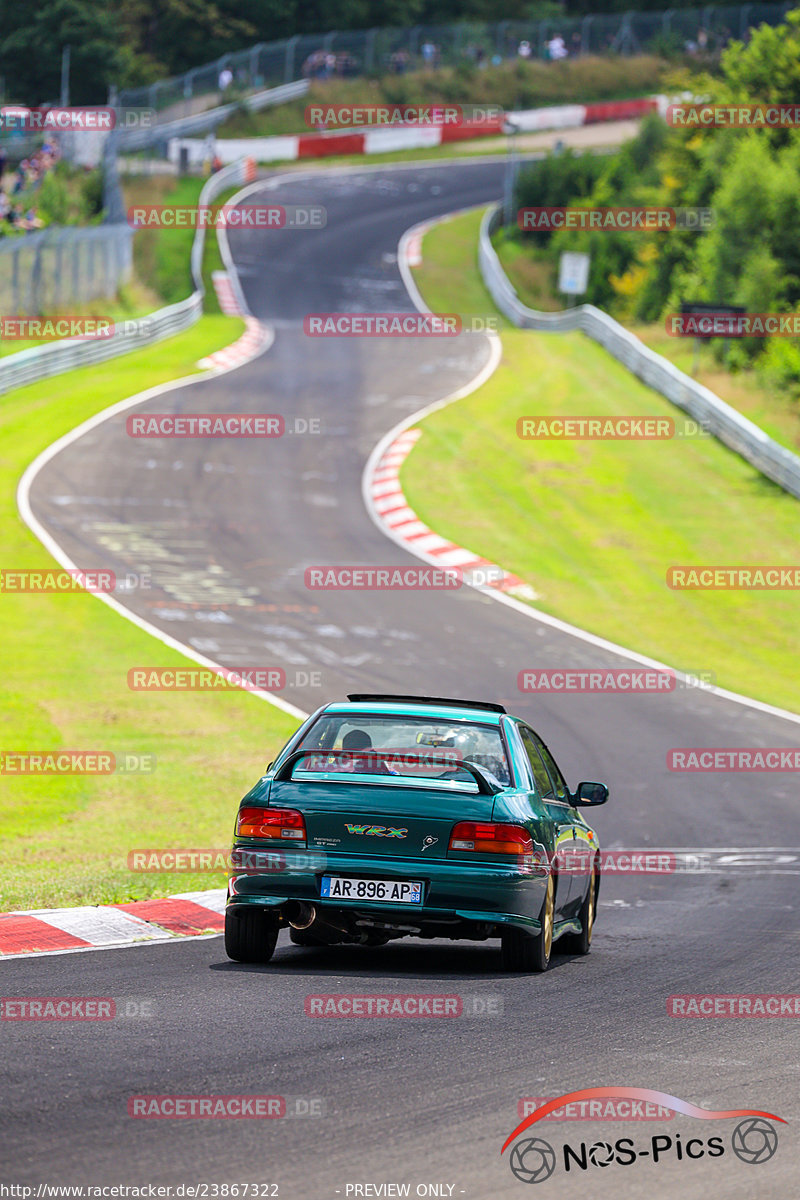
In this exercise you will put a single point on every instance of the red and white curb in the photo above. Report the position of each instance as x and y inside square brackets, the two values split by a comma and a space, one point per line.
[384, 140]
[255, 339]
[226, 296]
[101, 927]
[402, 524]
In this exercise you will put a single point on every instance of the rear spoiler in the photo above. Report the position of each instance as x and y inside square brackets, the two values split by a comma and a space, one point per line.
[286, 769]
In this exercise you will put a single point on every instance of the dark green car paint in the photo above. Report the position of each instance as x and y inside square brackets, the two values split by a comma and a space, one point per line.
[456, 885]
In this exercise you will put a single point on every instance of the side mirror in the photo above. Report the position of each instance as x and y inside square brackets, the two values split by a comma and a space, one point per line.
[267, 767]
[590, 793]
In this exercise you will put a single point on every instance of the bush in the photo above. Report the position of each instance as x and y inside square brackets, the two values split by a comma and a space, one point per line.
[779, 367]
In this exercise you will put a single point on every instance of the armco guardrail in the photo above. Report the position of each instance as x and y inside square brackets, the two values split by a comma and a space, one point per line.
[54, 268]
[724, 422]
[40, 362]
[128, 140]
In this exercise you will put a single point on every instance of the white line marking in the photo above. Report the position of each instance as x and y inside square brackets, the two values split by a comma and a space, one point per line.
[526, 610]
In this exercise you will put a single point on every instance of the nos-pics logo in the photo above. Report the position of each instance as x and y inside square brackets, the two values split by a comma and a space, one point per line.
[533, 1160]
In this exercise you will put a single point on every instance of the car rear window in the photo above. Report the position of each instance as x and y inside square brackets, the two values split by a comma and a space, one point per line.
[415, 746]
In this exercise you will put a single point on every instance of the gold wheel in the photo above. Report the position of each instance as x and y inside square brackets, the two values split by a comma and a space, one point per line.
[590, 910]
[547, 919]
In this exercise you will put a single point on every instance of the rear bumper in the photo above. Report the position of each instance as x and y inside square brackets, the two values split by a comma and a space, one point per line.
[452, 891]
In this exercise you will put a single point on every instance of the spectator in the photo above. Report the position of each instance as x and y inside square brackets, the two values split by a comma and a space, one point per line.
[30, 221]
[3, 163]
[702, 41]
[20, 177]
[556, 48]
[428, 54]
[314, 66]
[5, 205]
[225, 79]
[524, 49]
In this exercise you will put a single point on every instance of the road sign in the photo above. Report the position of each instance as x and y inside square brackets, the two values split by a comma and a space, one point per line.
[573, 273]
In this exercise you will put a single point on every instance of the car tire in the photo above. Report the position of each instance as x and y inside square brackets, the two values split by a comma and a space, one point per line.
[250, 935]
[530, 952]
[581, 943]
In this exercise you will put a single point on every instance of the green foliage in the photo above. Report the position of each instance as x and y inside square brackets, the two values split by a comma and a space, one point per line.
[31, 41]
[779, 367]
[749, 179]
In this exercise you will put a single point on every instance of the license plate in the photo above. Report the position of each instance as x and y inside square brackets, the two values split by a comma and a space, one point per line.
[390, 891]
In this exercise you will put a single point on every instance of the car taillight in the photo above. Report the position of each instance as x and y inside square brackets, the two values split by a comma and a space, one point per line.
[478, 837]
[285, 824]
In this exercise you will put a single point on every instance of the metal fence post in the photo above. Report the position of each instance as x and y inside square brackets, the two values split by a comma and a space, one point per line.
[57, 290]
[291, 45]
[15, 280]
[76, 267]
[369, 51]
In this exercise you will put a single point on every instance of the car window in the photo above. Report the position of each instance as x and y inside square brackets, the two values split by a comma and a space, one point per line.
[562, 791]
[543, 785]
[406, 745]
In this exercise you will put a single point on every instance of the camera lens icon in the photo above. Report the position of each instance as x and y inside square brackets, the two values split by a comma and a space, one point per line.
[533, 1160]
[754, 1140]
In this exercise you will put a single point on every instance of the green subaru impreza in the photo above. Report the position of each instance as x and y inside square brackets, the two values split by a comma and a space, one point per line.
[397, 816]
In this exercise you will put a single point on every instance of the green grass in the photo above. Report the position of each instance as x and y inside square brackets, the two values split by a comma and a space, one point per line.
[162, 256]
[161, 262]
[65, 840]
[535, 279]
[514, 84]
[593, 526]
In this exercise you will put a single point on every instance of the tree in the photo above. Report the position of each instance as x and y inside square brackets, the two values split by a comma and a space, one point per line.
[31, 43]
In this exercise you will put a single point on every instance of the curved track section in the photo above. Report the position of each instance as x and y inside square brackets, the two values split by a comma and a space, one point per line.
[230, 528]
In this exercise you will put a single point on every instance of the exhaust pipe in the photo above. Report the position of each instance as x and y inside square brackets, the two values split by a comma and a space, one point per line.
[302, 915]
[299, 914]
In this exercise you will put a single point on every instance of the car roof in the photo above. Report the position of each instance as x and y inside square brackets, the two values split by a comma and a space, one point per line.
[433, 712]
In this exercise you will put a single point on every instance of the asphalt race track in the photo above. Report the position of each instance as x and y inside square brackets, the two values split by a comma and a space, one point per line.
[418, 1101]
